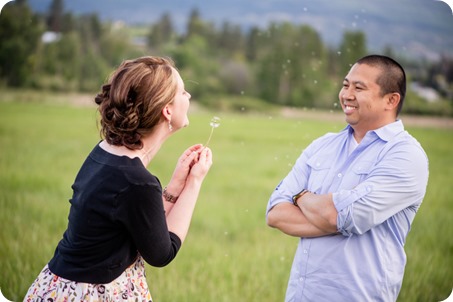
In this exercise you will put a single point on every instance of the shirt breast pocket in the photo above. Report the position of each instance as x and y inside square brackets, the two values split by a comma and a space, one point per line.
[361, 170]
[319, 171]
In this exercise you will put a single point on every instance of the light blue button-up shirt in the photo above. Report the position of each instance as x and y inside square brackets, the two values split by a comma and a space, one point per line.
[377, 189]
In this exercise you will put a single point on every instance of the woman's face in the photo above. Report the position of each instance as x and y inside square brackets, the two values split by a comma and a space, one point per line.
[180, 105]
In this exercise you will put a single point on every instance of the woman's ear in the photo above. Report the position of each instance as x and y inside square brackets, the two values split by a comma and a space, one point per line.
[167, 112]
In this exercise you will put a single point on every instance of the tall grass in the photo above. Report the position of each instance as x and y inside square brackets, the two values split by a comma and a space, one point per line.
[230, 254]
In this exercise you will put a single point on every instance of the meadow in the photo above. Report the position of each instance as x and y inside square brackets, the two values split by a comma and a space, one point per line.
[230, 254]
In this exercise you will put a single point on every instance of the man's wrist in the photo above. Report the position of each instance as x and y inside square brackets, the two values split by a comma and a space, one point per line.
[299, 195]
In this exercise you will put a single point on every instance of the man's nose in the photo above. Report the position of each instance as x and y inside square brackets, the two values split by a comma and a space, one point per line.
[347, 93]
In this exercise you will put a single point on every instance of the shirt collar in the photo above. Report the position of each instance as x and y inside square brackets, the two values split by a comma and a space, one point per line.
[385, 133]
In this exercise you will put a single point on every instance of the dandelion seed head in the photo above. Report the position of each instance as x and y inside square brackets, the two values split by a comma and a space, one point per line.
[215, 122]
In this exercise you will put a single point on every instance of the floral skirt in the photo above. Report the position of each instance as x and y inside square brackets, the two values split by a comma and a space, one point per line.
[129, 286]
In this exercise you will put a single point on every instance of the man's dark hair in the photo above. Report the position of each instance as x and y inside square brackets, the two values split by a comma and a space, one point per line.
[392, 78]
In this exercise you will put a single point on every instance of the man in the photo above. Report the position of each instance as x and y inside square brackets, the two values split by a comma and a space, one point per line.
[351, 196]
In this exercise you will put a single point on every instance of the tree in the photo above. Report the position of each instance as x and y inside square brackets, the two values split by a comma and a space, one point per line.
[198, 68]
[55, 17]
[20, 33]
[230, 39]
[252, 44]
[352, 48]
[197, 27]
[290, 64]
[161, 33]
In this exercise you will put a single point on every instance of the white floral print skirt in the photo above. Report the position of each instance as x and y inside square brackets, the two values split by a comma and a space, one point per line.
[129, 286]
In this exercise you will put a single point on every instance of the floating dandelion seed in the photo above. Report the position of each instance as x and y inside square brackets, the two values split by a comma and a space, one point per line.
[215, 122]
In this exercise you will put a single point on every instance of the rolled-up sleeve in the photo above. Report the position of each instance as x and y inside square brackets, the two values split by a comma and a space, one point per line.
[343, 202]
[397, 181]
[292, 184]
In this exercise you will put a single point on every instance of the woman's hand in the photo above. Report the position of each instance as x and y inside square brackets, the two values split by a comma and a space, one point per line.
[179, 214]
[183, 166]
[201, 167]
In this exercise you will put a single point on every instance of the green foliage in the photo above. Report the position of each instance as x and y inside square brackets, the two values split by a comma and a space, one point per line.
[230, 254]
[416, 105]
[282, 63]
[20, 32]
[197, 27]
[237, 103]
[352, 48]
[55, 18]
[161, 33]
[290, 70]
[197, 67]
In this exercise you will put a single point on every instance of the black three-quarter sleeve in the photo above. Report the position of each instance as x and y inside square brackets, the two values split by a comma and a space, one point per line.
[141, 211]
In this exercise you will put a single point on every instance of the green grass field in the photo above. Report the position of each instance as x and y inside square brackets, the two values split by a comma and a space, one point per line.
[230, 253]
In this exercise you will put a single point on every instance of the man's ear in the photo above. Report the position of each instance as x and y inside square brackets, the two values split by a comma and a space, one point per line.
[393, 99]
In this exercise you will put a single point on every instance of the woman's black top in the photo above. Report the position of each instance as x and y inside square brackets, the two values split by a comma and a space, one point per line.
[116, 212]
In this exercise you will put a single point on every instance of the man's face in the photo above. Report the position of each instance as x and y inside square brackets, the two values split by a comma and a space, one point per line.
[361, 99]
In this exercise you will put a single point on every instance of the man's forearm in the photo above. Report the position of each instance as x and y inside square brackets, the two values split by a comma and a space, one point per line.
[320, 211]
[289, 219]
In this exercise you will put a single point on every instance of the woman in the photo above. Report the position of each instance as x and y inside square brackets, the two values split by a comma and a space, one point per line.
[120, 217]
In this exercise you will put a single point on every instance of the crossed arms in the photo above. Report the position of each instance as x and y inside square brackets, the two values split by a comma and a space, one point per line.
[314, 216]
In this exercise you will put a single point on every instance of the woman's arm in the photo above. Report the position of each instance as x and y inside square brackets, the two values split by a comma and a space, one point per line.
[180, 215]
[180, 174]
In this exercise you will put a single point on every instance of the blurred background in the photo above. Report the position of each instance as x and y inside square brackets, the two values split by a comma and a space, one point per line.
[233, 54]
[271, 69]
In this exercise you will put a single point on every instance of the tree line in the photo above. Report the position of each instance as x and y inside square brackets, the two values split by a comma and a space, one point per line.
[224, 66]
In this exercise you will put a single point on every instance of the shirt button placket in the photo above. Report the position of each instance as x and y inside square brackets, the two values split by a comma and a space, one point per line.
[305, 254]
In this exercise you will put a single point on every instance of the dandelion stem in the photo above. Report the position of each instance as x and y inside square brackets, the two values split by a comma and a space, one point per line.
[209, 139]
[215, 122]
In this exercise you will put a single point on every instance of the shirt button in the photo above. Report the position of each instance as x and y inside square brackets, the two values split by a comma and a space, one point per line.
[301, 279]
[305, 251]
[340, 175]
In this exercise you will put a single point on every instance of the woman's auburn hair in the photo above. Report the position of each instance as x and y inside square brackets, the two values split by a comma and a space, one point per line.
[132, 100]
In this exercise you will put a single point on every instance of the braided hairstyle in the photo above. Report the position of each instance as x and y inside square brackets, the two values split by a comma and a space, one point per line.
[131, 102]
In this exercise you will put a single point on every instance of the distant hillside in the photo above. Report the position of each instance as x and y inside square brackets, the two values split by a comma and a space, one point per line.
[418, 28]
